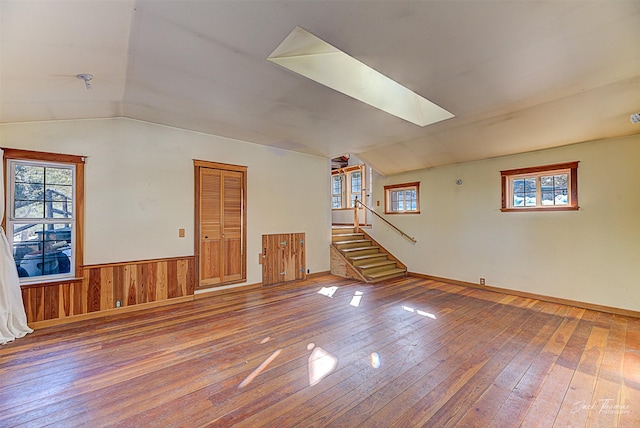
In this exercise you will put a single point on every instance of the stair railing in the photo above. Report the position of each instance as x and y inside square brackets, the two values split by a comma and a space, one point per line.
[356, 225]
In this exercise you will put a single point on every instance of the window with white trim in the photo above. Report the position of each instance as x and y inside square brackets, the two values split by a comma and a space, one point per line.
[42, 214]
[402, 198]
[336, 191]
[541, 188]
[355, 187]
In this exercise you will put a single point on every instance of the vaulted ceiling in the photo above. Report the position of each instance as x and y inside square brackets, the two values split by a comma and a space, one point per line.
[517, 75]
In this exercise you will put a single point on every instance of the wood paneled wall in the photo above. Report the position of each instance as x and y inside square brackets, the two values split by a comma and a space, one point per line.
[283, 258]
[101, 286]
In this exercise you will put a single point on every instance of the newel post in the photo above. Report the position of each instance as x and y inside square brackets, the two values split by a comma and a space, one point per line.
[356, 227]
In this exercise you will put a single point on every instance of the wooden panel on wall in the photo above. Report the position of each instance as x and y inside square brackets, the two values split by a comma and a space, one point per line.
[102, 286]
[283, 258]
[297, 256]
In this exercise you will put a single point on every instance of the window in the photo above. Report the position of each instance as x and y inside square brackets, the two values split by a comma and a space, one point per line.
[402, 198]
[347, 184]
[541, 188]
[44, 213]
[356, 187]
[336, 191]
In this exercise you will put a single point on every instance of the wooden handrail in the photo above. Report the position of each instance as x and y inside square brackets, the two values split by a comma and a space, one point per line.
[357, 226]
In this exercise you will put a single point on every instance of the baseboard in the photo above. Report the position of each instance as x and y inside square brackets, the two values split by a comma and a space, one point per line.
[542, 297]
[108, 312]
[233, 288]
[317, 274]
[213, 287]
[224, 289]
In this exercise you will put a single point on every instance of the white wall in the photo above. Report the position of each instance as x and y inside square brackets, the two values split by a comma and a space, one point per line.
[140, 191]
[592, 255]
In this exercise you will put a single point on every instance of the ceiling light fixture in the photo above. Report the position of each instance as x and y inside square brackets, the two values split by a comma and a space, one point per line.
[87, 79]
[315, 59]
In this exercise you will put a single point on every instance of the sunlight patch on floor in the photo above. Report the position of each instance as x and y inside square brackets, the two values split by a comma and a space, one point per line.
[419, 312]
[259, 369]
[328, 291]
[355, 300]
[321, 364]
[375, 360]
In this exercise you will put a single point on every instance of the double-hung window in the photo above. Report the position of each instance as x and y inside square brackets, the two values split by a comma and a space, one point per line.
[336, 191]
[44, 213]
[541, 188]
[355, 184]
[347, 184]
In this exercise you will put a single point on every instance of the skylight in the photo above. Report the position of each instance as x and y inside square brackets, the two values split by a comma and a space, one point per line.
[311, 57]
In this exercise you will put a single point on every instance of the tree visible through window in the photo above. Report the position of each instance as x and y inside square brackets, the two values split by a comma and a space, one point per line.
[346, 184]
[356, 187]
[551, 187]
[402, 198]
[42, 215]
[336, 191]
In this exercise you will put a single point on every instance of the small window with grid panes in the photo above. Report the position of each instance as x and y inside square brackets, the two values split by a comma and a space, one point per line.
[402, 198]
[550, 187]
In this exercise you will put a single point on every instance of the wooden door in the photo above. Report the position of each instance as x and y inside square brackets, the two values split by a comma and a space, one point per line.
[283, 258]
[231, 227]
[220, 223]
[210, 226]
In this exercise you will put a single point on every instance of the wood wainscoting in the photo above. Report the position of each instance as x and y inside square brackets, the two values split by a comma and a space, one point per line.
[103, 286]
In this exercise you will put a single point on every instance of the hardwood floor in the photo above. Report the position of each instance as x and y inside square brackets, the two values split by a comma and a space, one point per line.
[401, 353]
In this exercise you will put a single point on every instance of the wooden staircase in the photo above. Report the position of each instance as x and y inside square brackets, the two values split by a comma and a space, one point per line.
[356, 255]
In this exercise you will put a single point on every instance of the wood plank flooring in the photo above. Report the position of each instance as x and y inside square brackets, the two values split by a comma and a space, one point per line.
[402, 353]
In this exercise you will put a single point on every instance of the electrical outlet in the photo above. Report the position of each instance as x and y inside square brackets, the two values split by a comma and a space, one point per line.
[118, 303]
[481, 281]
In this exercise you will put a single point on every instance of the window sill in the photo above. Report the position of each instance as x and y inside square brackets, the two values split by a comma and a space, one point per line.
[47, 283]
[538, 209]
[401, 212]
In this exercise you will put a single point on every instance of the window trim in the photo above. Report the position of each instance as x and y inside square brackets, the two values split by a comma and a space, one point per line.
[339, 178]
[387, 200]
[55, 158]
[345, 185]
[507, 177]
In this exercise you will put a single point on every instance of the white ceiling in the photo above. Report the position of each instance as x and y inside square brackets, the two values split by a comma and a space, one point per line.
[518, 75]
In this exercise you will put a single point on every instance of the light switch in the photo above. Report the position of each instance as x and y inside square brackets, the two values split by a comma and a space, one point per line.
[180, 233]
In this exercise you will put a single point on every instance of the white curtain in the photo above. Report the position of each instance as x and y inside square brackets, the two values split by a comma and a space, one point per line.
[13, 320]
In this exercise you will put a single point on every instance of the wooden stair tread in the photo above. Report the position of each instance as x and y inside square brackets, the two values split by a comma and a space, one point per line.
[368, 247]
[354, 241]
[368, 256]
[338, 230]
[385, 273]
[377, 264]
[368, 261]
